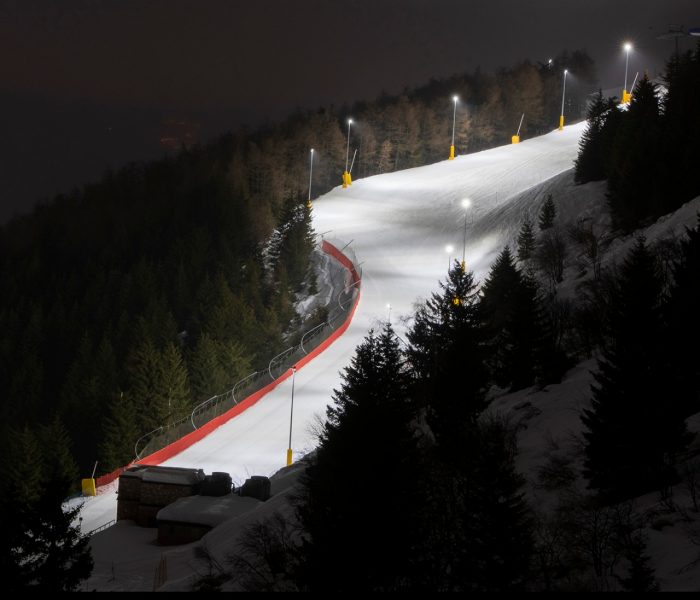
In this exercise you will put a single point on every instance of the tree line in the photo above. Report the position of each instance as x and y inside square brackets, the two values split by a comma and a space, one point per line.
[127, 302]
[414, 484]
[648, 153]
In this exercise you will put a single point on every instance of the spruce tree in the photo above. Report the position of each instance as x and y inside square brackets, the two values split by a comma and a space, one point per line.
[526, 241]
[680, 128]
[548, 213]
[347, 506]
[634, 155]
[448, 354]
[120, 433]
[496, 542]
[143, 370]
[633, 428]
[641, 576]
[206, 373]
[522, 348]
[41, 549]
[590, 162]
[173, 384]
[684, 323]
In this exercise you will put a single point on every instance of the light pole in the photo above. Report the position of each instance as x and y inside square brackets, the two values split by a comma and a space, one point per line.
[449, 249]
[311, 172]
[347, 180]
[291, 417]
[563, 95]
[626, 96]
[454, 121]
[466, 204]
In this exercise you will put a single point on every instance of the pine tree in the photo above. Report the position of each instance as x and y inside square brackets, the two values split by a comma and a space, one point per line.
[521, 349]
[641, 576]
[548, 213]
[58, 462]
[448, 354]
[526, 241]
[297, 241]
[633, 428]
[684, 323]
[590, 162]
[497, 536]
[369, 423]
[41, 549]
[174, 386]
[206, 374]
[680, 126]
[143, 370]
[634, 154]
[120, 433]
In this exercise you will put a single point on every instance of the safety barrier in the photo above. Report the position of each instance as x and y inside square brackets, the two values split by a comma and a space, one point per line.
[165, 442]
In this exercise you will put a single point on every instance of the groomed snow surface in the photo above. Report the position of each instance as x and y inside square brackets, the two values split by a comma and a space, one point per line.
[399, 226]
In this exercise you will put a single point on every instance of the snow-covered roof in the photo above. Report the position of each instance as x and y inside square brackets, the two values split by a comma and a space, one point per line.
[165, 475]
[206, 510]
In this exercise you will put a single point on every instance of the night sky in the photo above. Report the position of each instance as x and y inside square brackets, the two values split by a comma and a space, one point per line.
[91, 84]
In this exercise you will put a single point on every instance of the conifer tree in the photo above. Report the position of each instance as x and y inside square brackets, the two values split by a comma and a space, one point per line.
[548, 213]
[684, 323]
[41, 548]
[521, 345]
[633, 428]
[206, 374]
[526, 241]
[120, 433]
[448, 354]
[641, 576]
[144, 376]
[174, 386]
[496, 541]
[368, 423]
[634, 154]
[590, 162]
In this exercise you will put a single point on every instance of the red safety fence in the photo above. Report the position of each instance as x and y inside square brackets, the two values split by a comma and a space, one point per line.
[198, 434]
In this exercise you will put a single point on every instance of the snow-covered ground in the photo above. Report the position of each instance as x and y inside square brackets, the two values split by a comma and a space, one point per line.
[399, 224]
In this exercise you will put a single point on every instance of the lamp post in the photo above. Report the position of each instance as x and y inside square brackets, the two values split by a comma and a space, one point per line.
[454, 121]
[563, 95]
[311, 172]
[449, 249]
[347, 180]
[626, 96]
[291, 417]
[466, 204]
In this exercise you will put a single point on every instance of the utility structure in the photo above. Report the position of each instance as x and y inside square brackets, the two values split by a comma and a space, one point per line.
[626, 95]
[516, 138]
[449, 249]
[563, 95]
[311, 173]
[291, 419]
[454, 122]
[347, 179]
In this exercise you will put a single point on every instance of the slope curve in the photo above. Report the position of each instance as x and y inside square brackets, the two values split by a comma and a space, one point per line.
[399, 224]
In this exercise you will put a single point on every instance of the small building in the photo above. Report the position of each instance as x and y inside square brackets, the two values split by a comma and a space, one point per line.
[145, 490]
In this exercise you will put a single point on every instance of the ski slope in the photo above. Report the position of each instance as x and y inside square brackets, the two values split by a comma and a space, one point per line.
[399, 224]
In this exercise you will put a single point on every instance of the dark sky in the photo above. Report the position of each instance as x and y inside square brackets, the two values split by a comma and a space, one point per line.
[87, 84]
